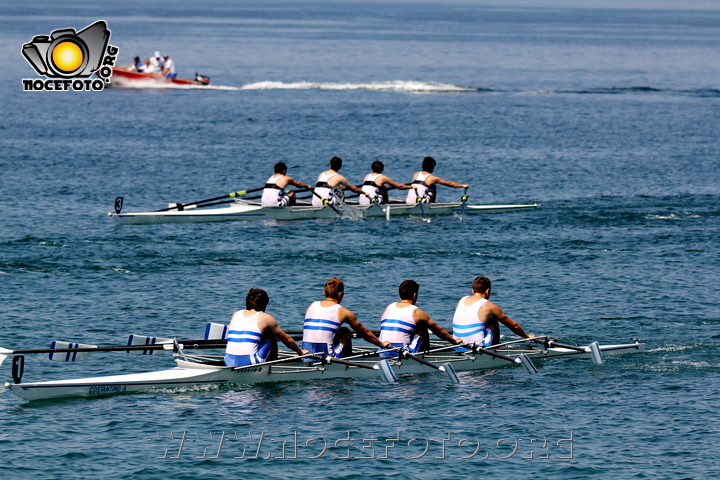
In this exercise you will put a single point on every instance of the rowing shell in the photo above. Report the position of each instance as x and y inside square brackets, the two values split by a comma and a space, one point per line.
[254, 211]
[190, 374]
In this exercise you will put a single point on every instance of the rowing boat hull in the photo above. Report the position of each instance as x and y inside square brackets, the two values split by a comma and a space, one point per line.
[191, 374]
[248, 211]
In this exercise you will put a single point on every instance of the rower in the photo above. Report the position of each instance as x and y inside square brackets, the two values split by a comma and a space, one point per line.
[405, 326]
[252, 334]
[424, 184]
[374, 185]
[322, 332]
[477, 320]
[274, 194]
[330, 185]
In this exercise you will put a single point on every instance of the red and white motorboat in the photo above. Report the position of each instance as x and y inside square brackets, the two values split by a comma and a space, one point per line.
[125, 78]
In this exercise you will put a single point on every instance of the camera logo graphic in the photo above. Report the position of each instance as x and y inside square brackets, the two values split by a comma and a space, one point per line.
[66, 54]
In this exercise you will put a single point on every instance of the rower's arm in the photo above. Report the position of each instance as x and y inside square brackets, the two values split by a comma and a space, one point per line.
[347, 316]
[351, 187]
[450, 183]
[422, 317]
[294, 182]
[272, 325]
[392, 182]
[509, 323]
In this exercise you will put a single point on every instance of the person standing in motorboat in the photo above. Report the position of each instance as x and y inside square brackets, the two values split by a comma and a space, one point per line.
[274, 192]
[155, 63]
[374, 185]
[424, 184]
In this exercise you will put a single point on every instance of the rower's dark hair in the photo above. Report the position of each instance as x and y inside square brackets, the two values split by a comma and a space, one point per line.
[377, 166]
[407, 289]
[280, 167]
[335, 163]
[428, 164]
[333, 287]
[257, 300]
[481, 285]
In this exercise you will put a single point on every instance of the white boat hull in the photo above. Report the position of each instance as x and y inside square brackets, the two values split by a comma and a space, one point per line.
[253, 211]
[191, 374]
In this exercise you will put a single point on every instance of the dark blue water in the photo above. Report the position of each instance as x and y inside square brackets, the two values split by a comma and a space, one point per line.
[606, 117]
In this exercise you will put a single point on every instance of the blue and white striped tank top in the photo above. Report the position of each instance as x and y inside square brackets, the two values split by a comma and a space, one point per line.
[397, 325]
[321, 324]
[466, 325]
[243, 335]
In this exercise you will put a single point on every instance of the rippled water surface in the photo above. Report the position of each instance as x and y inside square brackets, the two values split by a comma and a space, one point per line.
[606, 117]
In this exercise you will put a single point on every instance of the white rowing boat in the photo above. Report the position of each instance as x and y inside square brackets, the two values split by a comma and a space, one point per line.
[203, 370]
[250, 210]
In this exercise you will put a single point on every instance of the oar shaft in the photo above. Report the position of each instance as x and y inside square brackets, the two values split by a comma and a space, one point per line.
[420, 360]
[232, 194]
[494, 354]
[553, 343]
[190, 345]
[325, 201]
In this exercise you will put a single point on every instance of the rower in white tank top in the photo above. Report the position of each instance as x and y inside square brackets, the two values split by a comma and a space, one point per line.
[370, 187]
[324, 190]
[424, 191]
[397, 326]
[319, 330]
[273, 195]
[245, 345]
[467, 326]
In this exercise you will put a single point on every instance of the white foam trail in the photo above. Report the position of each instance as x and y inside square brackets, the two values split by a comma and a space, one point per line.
[152, 84]
[392, 86]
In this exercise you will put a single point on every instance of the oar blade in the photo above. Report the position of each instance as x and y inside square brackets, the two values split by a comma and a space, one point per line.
[216, 331]
[451, 374]
[386, 372]
[142, 340]
[596, 354]
[527, 364]
[69, 356]
[4, 352]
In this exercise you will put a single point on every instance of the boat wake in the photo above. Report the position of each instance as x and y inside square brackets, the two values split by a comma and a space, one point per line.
[390, 86]
[151, 84]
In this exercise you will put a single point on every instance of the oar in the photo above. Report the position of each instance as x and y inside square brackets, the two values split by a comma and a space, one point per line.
[383, 366]
[419, 200]
[326, 202]
[593, 349]
[74, 348]
[464, 200]
[522, 359]
[181, 206]
[446, 368]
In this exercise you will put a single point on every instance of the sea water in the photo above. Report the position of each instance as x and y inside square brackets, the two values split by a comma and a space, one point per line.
[605, 114]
